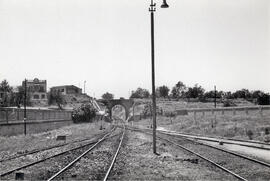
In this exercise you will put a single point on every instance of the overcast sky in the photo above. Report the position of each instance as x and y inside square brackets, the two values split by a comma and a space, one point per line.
[107, 43]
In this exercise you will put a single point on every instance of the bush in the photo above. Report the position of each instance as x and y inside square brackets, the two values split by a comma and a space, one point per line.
[250, 134]
[264, 99]
[85, 113]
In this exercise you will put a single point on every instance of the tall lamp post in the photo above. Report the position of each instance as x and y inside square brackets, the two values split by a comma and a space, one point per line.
[152, 9]
[25, 95]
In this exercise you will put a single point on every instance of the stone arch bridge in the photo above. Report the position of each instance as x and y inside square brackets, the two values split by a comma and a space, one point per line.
[126, 103]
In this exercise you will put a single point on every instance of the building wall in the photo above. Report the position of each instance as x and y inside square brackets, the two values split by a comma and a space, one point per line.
[70, 89]
[74, 90]
[37, 90]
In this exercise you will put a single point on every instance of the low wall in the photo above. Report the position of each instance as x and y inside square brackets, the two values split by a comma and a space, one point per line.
[203, 111]
[16, 115]
[11, 129]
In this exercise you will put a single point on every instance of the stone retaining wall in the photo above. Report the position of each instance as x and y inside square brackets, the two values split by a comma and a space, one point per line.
[16, 115]
[11, 129]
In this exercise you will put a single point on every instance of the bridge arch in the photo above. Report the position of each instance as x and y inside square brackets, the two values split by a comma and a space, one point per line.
[126, 103]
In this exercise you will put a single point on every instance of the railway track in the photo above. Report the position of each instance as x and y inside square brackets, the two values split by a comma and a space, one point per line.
[72, 163]
[240, 167]
[69, 151]
[47, 148]
[246, 143]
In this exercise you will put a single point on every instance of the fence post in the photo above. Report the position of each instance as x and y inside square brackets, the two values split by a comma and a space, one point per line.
[195, 117]
[6, 115]
[261, 110]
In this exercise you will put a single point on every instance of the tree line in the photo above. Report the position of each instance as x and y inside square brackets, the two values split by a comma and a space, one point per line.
[181, 91]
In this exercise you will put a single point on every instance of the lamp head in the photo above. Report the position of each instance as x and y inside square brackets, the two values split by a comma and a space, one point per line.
[164, 4]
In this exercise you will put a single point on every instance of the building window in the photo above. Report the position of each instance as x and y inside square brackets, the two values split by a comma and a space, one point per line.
[41, 89]
[62, 90]
[43, 96]
[36, 96]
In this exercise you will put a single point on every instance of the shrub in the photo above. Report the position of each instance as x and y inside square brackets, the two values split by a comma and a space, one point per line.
[249, 133]
[264, 99]
[266, 131]
[85, 113]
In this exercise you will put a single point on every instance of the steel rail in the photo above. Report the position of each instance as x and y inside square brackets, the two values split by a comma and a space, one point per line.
[204, 158]
[44, 149]
[231, 139]
[226, 141]
[115, 155]
[227, 151]
[78, 158]
[42, 160]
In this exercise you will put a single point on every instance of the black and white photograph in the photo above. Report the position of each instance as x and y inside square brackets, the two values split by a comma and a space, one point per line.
[139, 90]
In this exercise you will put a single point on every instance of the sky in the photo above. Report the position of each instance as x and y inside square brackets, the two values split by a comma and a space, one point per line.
[107, 44]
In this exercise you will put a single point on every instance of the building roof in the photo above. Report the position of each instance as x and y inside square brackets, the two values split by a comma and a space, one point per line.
[65, 86]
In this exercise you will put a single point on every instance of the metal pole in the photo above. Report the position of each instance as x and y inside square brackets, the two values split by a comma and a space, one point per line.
[215, 97]
[152, 10]
[24, 119]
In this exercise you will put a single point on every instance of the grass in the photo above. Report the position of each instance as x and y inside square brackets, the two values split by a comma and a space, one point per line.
[239, 126]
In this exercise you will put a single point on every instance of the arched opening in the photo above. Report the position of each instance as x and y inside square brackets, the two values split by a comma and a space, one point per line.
[119, 111]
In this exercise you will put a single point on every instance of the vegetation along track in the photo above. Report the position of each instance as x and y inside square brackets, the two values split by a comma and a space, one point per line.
[238, 166]
[94, 166]
[16, 166]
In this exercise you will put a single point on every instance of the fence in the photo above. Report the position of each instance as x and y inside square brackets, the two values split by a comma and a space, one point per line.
[8, 115]
[229, 110]
[207, 111]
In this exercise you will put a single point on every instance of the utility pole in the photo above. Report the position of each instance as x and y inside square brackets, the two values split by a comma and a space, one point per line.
[152, 9]
[215, 97]
[24, 117]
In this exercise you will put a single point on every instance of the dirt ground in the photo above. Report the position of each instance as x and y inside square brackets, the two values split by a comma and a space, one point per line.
[136, 161]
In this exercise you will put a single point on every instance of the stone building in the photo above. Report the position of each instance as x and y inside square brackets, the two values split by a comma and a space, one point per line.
[67, 90]
[37, 90]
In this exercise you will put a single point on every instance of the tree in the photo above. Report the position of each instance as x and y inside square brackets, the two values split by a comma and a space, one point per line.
[243, 93]
[178, 90]
[195, 92]
[256, 94]
[264, 99]
[107, 96]
[6, 89]
[4, 86]
[162, 91]
[19, 97]
[140, 93]
[211, 94]
[56, 97]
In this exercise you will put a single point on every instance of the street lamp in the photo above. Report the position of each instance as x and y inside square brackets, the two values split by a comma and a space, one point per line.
[152, 9]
